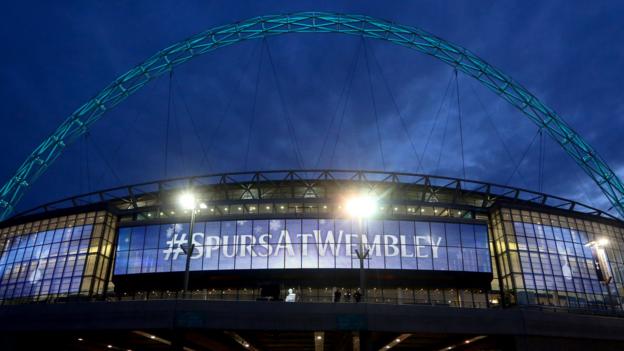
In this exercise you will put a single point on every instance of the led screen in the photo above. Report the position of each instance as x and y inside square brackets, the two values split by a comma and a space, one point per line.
[44, 263]
[556, 259]
[303, 244]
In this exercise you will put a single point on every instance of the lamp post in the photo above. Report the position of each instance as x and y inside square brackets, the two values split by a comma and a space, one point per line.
[361, 207]
[188, 201]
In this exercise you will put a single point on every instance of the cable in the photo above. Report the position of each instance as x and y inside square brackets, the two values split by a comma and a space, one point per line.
[461, 131]
[120, 144]
[177, 130]
[340, 99]
[496, 131]
[213, 136]
[442, 143]
[167, 125]
[396, 106]
[253, 109]
[540, 173]
[289, 124]
[344, 108]
[372, 92]
[194, 125]
[435, 123]
[522, 158]
[101, 154]
[88, 162]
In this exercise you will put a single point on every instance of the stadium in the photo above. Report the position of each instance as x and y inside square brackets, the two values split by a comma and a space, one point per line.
[310, 259]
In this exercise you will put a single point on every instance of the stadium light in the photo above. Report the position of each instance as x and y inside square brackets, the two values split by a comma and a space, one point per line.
[187, 200]
[361, 206]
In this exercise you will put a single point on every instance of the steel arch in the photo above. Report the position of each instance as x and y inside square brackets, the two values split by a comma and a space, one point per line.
[316, 22]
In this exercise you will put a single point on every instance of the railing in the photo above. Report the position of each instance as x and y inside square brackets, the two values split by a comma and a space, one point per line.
[594, 309]
[207, 296]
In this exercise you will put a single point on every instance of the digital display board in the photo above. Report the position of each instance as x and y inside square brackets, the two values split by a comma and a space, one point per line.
[303, 244]
[44, 263]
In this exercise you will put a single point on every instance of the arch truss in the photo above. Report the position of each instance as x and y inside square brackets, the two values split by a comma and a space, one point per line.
[165, 60]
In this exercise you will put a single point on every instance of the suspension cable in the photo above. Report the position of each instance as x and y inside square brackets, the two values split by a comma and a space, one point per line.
[253, 109]
[286, 113]
[86, 146]
[540, 173]
[167, 125]
[461, 131]
[216, 130]
[373, 100]
[395, 104]
[347, 81]
[120, 145]
[106, 162]
[344, 106]
[193, 124]
[435, 123]
[523, 156]
[442, 143]
[498, 134]
[177, 130]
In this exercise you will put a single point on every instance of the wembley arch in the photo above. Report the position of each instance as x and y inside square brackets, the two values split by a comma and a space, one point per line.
[177, 54]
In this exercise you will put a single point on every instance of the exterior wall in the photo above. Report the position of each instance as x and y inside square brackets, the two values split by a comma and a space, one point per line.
[56, 257]
[545, 260]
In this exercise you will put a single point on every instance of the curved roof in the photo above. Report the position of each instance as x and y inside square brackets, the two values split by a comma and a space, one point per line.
[308, 185]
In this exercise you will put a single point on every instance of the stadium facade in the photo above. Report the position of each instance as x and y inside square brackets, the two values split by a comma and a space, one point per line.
[276, 262]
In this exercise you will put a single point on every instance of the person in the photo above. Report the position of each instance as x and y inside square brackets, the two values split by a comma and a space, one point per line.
[357, 296]
[348, 296]
[291, 297]
[337, 295]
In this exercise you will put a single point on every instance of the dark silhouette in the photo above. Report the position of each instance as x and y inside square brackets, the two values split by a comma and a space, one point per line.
[357, 296]
[337, 295]
[348, 296]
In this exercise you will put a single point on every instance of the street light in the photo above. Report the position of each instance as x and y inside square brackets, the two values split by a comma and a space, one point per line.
[188, 201]
[360, 207]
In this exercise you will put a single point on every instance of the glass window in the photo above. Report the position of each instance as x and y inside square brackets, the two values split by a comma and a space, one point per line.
[452, 234]
[455, 259]
[408, 251]
[392, 249]
[326, 243]
[260, 249]
[123, 240]
[227, 251]
[244, 245]
[440, 260]
[467, 235]
[275, 257]
[137, 238]
[481, 236]
[292, 248]
[309, 249]
[483, 260]
[344, 253]
[152, 237]
[375, 245]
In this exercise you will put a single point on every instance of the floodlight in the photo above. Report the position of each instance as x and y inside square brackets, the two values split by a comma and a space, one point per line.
[187, 201]
[361, 206]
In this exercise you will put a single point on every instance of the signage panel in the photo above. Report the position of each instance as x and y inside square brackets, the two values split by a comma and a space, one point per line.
[303, 244]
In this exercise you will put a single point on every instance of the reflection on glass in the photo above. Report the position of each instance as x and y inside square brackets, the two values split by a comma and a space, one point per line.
[308, 243]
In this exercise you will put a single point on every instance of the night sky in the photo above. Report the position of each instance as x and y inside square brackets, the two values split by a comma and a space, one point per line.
[57, 55]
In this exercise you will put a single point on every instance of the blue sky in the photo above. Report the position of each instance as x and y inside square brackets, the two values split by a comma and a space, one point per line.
[57, 55]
